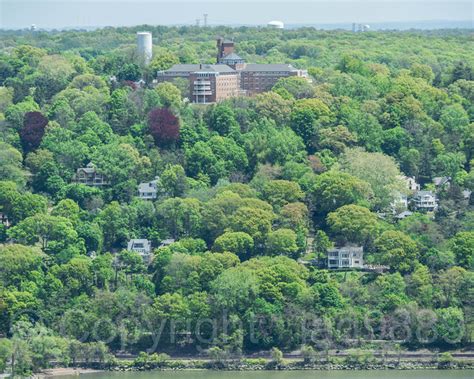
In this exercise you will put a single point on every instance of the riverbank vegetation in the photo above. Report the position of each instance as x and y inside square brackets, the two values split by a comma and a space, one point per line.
[253, 192]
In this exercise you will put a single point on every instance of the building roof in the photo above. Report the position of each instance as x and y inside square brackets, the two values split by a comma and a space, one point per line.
[403, 214]
[215, 68]
[424, 193]
[138, 241]
[167, 242]
[200, 68]
[269, 67]
[147, 187]
[89, 169]
[347, 247]
[441, 180]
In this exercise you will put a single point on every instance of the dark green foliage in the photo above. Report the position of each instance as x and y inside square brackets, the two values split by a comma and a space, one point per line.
[254, 191]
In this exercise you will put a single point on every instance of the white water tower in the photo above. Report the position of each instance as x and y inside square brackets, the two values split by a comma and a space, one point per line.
[144, 47]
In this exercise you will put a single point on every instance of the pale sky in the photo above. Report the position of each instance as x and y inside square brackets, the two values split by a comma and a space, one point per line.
[88, 13]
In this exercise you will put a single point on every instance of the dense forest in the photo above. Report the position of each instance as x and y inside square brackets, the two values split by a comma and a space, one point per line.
[253, 191]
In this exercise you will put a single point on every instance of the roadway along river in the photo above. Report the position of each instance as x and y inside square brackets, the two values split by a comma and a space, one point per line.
[415, 374]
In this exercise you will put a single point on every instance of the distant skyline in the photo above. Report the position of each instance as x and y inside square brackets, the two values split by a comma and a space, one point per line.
[17, 14]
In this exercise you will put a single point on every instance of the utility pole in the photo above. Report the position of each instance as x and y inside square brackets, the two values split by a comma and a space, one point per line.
[205, 19]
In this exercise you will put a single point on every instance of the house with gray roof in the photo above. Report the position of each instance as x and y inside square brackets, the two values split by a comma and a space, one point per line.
[90, 176]
[141, 247]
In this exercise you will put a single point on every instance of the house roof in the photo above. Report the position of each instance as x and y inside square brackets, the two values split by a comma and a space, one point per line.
[347, 247]
[166, 242]
[139, 240]
[146, 187]
[441, 180]
[269, 67]
[89, 169]
[424, 193]
[404, 214]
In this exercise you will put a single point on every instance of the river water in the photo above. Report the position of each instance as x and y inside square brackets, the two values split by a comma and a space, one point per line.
[413, 374]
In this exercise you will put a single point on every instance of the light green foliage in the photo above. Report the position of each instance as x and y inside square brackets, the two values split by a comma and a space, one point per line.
[462, 245]
[281, 192]
[377, 169]
[169, 95]
[239, 243]
[353, 223]
[397, 250]
[333, 189]
[282, 242]
[11, 164]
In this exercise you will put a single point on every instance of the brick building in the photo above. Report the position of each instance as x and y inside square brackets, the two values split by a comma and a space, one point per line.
[231, 76]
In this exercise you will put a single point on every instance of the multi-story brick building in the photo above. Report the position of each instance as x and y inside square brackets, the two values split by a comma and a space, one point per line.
[231, 76]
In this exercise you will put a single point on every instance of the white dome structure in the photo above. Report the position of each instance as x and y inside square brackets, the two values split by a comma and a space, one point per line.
[276, 24]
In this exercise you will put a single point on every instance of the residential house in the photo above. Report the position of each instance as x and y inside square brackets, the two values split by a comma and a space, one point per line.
[148, 190]
[142, 247]
[89, 176]
[346, 257]
[425, 201]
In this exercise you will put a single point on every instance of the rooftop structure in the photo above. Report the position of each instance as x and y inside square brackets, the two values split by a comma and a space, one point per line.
[346, 257]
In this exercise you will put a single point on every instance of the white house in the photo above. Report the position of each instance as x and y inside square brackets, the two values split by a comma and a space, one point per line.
[411, 183]
[425, 201]
[346, 257]
[142, 247]
[148, 190]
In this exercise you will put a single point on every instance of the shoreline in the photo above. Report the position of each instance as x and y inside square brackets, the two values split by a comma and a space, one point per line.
[65, 371]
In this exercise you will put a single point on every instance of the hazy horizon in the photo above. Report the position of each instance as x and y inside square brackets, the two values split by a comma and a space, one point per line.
[49, 14]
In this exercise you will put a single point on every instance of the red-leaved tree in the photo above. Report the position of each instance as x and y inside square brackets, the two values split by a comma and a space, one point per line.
[163, 126]
[32, 132]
